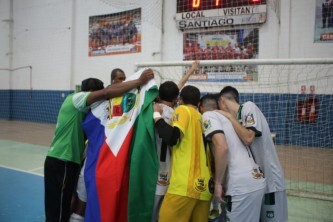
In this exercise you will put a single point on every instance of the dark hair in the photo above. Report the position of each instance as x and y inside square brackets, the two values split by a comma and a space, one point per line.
[190, 95]
[114, 73]
[209, 101]
[230, 92]
[91, 84]
[168, 91]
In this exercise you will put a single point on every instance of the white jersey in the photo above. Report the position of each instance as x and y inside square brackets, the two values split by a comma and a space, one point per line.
[262, 147]
[163, 156]
[243, 175]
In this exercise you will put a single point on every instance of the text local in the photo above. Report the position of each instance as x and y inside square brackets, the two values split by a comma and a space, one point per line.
[223, 12]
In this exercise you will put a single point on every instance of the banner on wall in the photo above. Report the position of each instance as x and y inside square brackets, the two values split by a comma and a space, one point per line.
[226, 44]
[118, 33]
[324, 21]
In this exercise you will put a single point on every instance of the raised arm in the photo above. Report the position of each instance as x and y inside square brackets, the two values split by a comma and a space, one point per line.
[120, 88]
[194, 67]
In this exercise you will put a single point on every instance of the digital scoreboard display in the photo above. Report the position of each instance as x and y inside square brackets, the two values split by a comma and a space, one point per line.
[193, 14]
[194, 5]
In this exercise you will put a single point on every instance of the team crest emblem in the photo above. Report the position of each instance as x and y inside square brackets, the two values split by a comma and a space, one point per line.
[249, 120]
[257, 173]
[207, 124]
[270, 214]
[163, 179]
[200, 184]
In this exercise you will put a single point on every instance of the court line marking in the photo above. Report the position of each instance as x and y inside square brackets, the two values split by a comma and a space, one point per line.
[35, 169]
[20, 170]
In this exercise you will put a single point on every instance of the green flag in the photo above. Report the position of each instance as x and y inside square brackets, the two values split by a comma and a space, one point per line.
[143, 163]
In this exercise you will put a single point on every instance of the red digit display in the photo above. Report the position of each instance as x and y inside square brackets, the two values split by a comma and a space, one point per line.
[197, 3]
[194, 5]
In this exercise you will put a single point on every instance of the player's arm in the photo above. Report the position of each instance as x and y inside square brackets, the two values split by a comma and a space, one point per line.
[220, 156]
[194, 67]
[119, 89]
[169, 134]
[245, 134]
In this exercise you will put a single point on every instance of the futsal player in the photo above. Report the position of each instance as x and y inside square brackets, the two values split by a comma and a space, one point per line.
[252, 128]
[168, 97]
[188, 196]
[235, 168]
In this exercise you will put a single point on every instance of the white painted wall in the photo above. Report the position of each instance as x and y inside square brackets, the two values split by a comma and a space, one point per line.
[4, 43]
[42, 39]
[52, 37]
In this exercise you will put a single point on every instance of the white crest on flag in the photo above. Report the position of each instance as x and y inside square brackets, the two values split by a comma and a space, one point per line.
[118, 127]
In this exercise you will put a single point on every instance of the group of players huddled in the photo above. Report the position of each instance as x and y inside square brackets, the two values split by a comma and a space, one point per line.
[212, 151]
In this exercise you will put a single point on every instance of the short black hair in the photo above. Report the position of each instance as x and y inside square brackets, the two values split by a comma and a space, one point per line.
[168, 91]
[209, 101]
[91, 84]
[190, 95]
[114, 73]
[231, 93]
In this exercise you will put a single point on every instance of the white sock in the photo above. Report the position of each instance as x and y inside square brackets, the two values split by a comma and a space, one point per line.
[76, 218]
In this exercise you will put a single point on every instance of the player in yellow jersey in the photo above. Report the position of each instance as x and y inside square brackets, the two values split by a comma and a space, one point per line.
[188, 196]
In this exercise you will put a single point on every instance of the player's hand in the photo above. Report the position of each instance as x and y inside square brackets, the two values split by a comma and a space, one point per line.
[219, 193]
[225, 113]
[195, 66]
[146, 76]
[158, 108]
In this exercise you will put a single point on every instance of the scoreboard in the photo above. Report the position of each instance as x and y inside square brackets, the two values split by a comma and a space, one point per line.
[192, 14]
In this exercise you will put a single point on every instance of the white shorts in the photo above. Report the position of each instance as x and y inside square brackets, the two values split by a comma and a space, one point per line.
[246, 207]
[274, 207]
[81, 186]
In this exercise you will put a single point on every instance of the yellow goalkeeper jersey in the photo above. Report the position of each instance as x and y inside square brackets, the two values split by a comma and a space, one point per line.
[190, 173]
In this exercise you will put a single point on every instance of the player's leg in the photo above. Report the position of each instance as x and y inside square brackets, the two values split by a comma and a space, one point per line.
[53, 178]
[245, 207]
[157, 206]
[80, 199]
[200, 211]
[70, 181]
[60, 180]
[274, 207]
[176, 208]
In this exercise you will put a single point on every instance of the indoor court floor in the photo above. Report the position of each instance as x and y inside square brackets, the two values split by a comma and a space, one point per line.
[23, 147]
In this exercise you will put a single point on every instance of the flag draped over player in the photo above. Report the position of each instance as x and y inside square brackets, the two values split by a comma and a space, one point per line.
[122, 157]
